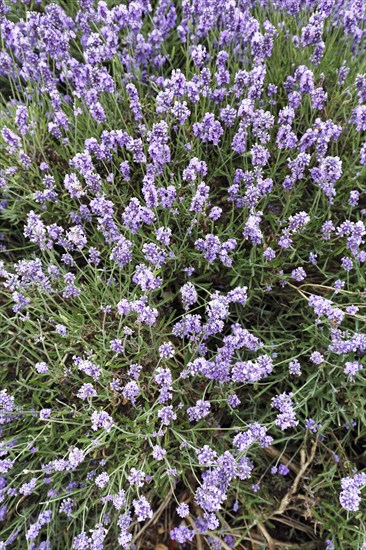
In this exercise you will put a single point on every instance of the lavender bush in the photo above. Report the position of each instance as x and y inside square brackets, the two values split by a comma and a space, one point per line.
[183, 274]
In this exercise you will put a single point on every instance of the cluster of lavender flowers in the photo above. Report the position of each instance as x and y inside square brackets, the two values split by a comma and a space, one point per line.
[182, 259]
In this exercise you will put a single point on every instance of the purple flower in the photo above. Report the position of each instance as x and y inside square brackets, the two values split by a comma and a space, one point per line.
[181, 111]
[134, 101]
[76, 457]
[119, 500]
[121, 253]
[352, 368]
[61, 330]
[76, 236]
[294, 367]
[316, 358]
[159, 452]
[269, 254]
[228, 115]
[101, 420]
[283, 470]
[233, 401]
[260, 155]
[41, 367]
[354, 197]
[182, 534]
[81, 542]
[11, 138]
[134, 371]
[347, 264]
[212, 248]
[28, 488]
[163, 234]
[116, 346]
[298, 274]
[255, 434]
[252, 230]
[312, 425]
[206, 456]
[189, 295]
[200, 199]
[67, 506]
[199, 411]
[323, 307]
[21, 119]
[102, 480]
[250, 371]
[326, 174]
[44, 414]
[131, 391]
[154, 254]
[86, 391]
[359, 117]
[298, 221]
[142, 509]
[166, 350]
[43, 519]
[35, 230]
[183, 510]
[215, 213]
[363, 153]
[73, 186]
[194, 167]
[350, 496]
[287, 417]
[88, 367]
[145, 278]
[209, 130]
[166, 415]
[6, 464]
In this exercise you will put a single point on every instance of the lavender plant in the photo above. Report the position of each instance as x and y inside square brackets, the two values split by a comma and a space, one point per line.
[182, 274]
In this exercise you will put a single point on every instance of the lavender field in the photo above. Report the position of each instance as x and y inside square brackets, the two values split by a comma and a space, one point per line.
[182, 274]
